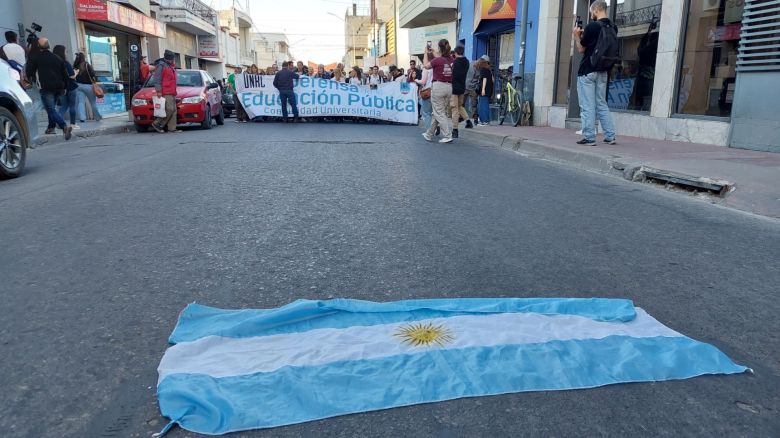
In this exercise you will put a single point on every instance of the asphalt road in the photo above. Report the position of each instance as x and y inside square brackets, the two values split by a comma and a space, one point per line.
[103, 242]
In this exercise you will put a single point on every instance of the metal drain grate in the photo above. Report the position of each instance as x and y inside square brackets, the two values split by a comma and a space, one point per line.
[687, 182]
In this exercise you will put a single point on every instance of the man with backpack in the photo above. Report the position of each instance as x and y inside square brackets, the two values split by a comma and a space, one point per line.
[599, 47]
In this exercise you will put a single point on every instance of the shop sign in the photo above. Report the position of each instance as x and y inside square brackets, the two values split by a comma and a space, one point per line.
[419, 37]
[96, 10]
[494, 10]
[91, 10]
[208, 46]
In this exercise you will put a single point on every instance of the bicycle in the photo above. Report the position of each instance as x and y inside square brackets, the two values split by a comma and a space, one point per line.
[509, 98]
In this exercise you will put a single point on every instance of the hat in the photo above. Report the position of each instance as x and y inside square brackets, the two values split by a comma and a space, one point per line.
[485, 57]
[169, 56]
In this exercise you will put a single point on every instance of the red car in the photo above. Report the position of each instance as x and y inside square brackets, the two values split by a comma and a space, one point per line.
[198, 100]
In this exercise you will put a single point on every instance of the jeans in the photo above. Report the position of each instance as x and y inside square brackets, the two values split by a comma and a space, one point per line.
[483, 108]
[68, 102]
[86, 90]
[427, 111]
[288, 96]
[49, 99]
[441, 92]
[592, 92]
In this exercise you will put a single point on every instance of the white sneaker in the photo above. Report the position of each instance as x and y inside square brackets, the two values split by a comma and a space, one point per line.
[427, 136]
[446, 140]
[75, 126]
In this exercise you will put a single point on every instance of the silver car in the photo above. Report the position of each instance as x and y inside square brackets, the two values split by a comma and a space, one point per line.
[18, 123]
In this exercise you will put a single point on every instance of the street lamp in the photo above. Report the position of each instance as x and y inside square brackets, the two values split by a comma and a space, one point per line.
[346, 23]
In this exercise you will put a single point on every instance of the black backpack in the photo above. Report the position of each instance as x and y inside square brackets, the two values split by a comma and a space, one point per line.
[606, 54]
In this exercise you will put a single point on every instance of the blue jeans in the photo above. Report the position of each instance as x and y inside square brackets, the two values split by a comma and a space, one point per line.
[483, 108]
[288, 96]
[427, 110]
[592, 92]
[68, 102]
[49, 99]
[86, 90]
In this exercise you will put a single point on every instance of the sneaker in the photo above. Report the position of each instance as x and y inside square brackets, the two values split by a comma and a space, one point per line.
[469, 125]
[427, 136]
[50, 131]
[446, 140]
[177, 131]
[157, 128]
[612, 141]
[67, 132]
[75, 126]
[586, 142]
[454, 133]
[483, 124]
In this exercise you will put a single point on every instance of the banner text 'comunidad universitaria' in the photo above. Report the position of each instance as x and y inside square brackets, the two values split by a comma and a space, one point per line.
[392, 101]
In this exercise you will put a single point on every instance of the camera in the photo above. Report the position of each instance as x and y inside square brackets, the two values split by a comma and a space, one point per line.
[579, 21]
[32, 35]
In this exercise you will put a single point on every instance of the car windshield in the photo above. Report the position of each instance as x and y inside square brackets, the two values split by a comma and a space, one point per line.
[183, 79]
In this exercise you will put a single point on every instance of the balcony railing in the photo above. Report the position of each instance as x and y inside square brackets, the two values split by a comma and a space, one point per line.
[196, 7]
[637, 16]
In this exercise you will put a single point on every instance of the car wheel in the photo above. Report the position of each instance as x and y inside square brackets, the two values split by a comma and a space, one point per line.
[13, 145]
[141, 128]
[207, 122]
[221, 117]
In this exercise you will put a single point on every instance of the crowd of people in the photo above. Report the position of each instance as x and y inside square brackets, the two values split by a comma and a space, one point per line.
[59, 86]
[452, 90]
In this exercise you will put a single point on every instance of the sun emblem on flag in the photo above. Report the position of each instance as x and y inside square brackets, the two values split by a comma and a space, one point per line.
[424, 334]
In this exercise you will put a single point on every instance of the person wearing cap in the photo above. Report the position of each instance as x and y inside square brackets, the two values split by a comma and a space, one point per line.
[164, 81]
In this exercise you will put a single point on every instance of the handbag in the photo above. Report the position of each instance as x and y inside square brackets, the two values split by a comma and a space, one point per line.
[96, 88]
[158, 103]
[425, 94]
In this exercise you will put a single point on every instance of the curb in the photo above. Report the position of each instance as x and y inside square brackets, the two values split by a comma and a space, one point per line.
[598, 163]
[47, 140]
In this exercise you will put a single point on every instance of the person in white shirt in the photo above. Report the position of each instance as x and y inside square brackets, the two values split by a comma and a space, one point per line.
[13, 51]
[374, 78]
[355, 77]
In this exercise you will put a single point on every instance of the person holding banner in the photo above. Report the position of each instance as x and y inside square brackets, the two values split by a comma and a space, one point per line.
[241, 116]
[441, 91]
[284, 81]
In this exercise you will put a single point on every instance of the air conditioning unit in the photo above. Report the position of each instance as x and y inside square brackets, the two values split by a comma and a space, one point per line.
[711, 5]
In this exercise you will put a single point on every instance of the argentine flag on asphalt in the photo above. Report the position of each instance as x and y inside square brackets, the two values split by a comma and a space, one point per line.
[232, 370]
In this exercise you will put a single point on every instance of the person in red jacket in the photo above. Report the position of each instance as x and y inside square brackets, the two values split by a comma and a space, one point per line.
[164, 81]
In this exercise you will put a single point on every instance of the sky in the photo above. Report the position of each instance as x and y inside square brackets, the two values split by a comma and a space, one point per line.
[314, 35]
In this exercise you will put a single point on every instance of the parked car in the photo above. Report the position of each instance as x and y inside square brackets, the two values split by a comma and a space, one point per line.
[228, 102]
[198, 100]
[18, 123]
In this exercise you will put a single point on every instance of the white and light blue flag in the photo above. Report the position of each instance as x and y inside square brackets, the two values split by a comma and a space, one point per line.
[233, 370]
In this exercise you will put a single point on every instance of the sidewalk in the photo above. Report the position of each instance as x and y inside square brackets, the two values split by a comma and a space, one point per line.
[112, 124]
[750, 180]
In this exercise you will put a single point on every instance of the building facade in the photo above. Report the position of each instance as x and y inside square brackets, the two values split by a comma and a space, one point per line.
[685, 74]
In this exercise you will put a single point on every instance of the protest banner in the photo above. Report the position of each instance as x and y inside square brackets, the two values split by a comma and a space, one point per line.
[392, 101]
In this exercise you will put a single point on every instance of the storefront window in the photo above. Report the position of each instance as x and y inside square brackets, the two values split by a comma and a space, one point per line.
[565, 53]
[708, 72]
[631, 81]
[631, 84]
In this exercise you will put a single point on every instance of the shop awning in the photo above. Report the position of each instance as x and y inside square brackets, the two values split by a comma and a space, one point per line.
[115, 15]
[217, 60]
